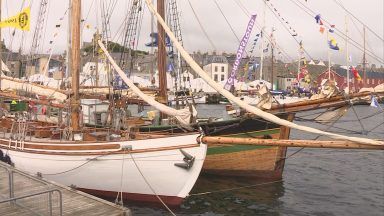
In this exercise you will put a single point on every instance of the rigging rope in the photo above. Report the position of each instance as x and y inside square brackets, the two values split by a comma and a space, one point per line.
[149, 185]
[242, 104]
[358, 46]
[338, 2]
[183, 116]
[259, 27]
[201, 26]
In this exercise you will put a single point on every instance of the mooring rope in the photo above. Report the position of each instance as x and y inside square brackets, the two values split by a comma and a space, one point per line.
[150, 187]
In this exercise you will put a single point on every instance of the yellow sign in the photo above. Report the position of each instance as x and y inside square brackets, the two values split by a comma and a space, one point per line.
[21, 20]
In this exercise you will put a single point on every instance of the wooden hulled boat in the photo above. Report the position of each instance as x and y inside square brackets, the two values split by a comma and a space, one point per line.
[145, 168]
[137, 169]
[240, 160]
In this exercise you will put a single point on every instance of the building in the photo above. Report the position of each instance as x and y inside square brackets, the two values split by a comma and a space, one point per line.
[39, 65]
[285, 82]
[217, 68]
[340, 76]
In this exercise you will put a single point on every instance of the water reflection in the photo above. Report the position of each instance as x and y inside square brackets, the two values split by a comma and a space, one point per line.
[233, 196]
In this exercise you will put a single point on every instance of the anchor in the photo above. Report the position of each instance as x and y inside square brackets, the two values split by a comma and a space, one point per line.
[188, 160]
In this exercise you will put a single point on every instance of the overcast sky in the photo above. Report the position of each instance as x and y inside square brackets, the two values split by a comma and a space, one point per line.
[371, 12]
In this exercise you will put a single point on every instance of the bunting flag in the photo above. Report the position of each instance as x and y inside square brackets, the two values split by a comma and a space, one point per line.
[254, 43]
[170, 67]
[154, 37]
[252, 68]
[332, 29]
[333, 44]
[318, 18]
[322, 29]
[21, 20]
[355, 73]
[302, 74]
[374, 102]
[231, 80]
[278, 14]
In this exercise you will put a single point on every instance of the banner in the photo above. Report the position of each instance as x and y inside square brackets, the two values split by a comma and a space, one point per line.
[240, 51]
[21, 20]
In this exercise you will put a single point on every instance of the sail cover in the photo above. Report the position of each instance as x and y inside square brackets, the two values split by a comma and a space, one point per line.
[242, 104]
[182, 115]
[20, 85]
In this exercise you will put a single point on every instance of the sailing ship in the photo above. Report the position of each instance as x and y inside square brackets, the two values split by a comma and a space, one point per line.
[135, 166]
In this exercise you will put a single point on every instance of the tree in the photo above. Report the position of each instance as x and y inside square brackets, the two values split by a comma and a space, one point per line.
[115, 48]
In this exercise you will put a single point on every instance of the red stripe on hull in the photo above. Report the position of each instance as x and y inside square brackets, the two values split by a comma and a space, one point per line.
[172, 201]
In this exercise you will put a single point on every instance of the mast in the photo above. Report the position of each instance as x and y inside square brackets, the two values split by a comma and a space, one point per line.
[1, 50]
[152, 62]
[298, 66]
[75, 62]
[161, 55]
[96, 53]
[364, 63]
[272, 60]
[69, 55]
[329, 58]
[346, 52]
[262, 43]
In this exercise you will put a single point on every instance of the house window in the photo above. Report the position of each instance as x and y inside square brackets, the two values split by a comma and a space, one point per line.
[367, 81]
[215, 68]
[215, 78]
[288, 80]
[222, 77]
[222, 68]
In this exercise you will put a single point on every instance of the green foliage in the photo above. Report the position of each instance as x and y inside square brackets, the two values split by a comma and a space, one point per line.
[115, 48]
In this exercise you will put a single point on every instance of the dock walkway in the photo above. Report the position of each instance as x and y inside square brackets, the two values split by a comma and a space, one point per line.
[24, 194]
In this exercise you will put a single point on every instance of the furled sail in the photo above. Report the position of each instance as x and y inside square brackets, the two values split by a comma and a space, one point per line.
[14, 84]
[182, 115]
[242, 104]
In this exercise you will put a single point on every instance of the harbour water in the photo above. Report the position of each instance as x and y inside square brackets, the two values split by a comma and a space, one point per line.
[321, 182]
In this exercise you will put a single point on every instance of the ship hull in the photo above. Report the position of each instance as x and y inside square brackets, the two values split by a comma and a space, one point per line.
[139, 174]
[263, 162]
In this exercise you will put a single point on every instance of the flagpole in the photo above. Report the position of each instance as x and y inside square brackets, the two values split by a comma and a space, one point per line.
[346, 51]
[298, 67]
[262, 43]
[329, 59]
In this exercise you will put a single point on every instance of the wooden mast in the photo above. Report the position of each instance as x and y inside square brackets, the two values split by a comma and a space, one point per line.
[161, 54]
[1, 49]
[75, 63]
[272, 61]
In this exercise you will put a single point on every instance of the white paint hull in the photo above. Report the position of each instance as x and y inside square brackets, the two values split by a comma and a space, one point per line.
[117, 172]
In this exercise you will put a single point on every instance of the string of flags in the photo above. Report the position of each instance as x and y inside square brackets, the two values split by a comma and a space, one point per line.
[56, 33]
[254, 42]
[331, 29]
[292, 31]
[266, 49]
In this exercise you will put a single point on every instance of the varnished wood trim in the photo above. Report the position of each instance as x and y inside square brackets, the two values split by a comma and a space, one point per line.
[103, 152]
